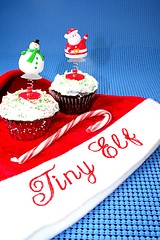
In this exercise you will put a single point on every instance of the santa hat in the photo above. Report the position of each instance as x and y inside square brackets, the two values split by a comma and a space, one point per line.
[51, 185]
[69, 32]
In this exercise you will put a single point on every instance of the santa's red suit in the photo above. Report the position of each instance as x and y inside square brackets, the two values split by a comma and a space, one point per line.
[77, 51]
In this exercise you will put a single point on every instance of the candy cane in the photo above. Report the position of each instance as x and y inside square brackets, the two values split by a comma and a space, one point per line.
[46, 143]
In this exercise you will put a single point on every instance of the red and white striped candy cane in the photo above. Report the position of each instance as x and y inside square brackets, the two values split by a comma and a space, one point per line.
[46, 143]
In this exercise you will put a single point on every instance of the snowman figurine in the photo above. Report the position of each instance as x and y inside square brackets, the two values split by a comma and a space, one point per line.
[31, 62]
[75, 48]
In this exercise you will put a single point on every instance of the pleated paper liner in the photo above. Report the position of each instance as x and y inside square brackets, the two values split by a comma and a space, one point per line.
[73, 104]
[28, 130]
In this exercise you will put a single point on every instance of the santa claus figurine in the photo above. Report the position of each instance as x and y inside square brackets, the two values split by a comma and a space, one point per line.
[76, 47]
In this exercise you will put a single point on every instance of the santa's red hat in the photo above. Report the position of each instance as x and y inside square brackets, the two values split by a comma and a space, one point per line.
[70, 31]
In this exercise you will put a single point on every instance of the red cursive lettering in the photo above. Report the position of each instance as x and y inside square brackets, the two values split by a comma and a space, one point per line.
[42, 183]
[131, 139]
[107, 151]
[45, 184]
[112, 151]
[117, 142]
[91, 176]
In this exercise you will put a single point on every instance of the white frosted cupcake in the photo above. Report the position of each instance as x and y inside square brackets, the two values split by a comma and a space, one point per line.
[28, 119]
[74, 91]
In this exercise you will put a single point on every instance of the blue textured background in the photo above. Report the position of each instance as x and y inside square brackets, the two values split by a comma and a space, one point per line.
[124, 56]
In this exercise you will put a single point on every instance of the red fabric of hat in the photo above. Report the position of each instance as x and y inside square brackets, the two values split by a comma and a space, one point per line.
[11, 82]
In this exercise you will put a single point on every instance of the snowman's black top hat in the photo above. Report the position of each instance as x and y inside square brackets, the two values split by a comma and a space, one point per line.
[36, 41]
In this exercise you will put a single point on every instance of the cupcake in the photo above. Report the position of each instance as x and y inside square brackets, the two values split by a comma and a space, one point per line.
[28, 119]
[74, 91]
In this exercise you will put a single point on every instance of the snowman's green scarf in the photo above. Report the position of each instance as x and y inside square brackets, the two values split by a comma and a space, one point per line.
[32, 56]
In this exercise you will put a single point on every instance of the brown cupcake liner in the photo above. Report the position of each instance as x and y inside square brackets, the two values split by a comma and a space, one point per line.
[73, 104]
[27, 130]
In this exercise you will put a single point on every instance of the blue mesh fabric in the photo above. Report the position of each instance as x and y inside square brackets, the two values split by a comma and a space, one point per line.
[124, 56]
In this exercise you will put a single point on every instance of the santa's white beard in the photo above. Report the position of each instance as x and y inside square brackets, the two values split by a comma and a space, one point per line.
[74, 40]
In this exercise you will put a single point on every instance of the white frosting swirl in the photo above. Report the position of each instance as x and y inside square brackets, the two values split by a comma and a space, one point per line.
[73, 87]
[16, 108]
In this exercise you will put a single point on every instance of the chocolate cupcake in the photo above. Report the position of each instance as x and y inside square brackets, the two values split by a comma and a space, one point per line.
[74, 91]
